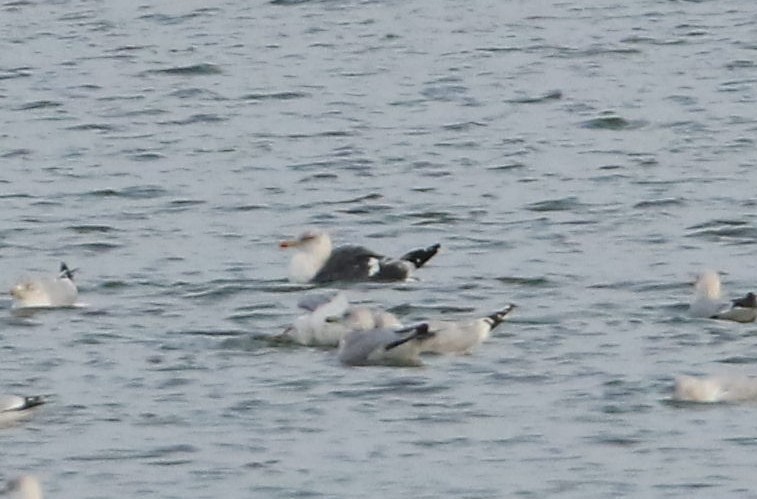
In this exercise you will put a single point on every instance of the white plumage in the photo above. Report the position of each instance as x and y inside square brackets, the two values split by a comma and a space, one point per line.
[462, 337]
[329, 317]
[23, 487]
[59, 291]
[712, 389]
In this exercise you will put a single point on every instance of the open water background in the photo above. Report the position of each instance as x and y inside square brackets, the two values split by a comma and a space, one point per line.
[581, 159]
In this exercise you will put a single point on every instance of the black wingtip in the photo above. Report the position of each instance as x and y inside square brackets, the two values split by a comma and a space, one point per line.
[419, 332]
[498, 317]
[65, 271]
[419, 257]
[33, 401]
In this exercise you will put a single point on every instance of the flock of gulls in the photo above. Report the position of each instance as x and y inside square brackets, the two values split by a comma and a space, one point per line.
[366, 335]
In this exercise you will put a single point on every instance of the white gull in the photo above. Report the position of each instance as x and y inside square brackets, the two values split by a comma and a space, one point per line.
[315, 261]
[329, 316]
[712, 389]
[708, 301]
[462, 336]
[59, 291]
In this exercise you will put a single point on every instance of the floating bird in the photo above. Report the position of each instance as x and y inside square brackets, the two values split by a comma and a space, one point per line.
[316, 262]
[59, 291]
[708, 301]
[329, 316]
[463, 336]
[384, 346]
[712, 389]
[23, 487]
[15, 407]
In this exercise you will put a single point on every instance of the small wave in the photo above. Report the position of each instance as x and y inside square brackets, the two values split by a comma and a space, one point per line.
[135, 192]
[549, 96]
[98, 127]
[38, 104]
[192, 70]
[535, 282]
[735, 232]
[17, 153]
[276, 96]
[433, 218]
[196, 118]
[656, 203]
[8, 74]
[88, 229]
[613, 123]
[97, 246]
[562, 204]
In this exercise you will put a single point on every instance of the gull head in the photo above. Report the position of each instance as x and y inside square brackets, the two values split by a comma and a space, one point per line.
[708, 285]
[308, 240]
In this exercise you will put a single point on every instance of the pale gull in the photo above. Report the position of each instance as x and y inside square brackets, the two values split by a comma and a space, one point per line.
[462, 337]
[708, 301]
[59, 291]
[712, 389]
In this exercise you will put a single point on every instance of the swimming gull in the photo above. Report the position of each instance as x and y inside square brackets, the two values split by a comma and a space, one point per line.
[16, 407]
[463, 336]
[23, 487]
[317, 262]
[712, 389]
[59, 291]
[329, 316]
[708, 302]
[386, 346]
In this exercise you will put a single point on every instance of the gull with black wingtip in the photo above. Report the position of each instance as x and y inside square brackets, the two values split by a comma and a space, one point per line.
[462, 337]
[59, 291]
[316, 261]
[388, 346]
[708, 301]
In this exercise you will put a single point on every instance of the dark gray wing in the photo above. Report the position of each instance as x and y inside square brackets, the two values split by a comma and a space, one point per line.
[349, 263]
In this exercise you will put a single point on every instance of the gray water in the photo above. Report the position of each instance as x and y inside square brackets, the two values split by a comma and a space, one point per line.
[583, 160]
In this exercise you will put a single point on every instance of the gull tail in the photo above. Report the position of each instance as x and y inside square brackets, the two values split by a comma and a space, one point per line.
[748, 301]
[496, 318]
[419, 332]
[419, 257]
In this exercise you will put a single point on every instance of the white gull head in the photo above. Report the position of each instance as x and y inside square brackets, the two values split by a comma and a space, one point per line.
[313, 249]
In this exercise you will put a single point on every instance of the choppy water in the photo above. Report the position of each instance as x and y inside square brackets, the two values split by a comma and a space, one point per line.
[581, 159]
